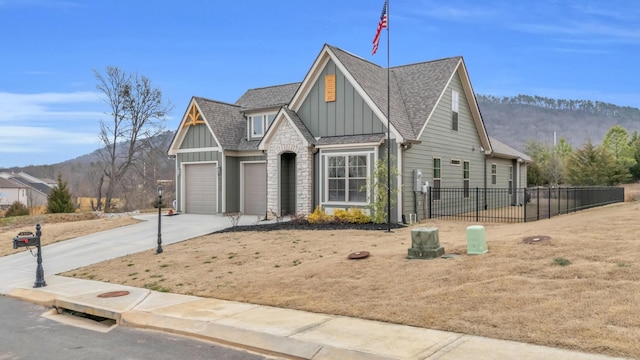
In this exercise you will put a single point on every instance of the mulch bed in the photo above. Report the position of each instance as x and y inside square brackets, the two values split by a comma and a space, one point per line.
[305, 225]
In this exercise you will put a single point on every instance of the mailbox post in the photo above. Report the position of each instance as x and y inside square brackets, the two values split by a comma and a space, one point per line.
[26, 239]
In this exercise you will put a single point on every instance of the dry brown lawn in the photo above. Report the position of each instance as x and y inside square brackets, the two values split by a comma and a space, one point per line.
[56, 227]
[516, 291]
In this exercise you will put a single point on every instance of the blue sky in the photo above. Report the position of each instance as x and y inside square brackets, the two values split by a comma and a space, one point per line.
[50, 108]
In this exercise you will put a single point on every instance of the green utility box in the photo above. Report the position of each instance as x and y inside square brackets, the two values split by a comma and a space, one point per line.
[476, 240]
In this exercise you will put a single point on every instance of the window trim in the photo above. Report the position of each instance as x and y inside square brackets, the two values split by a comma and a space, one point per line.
[325, 177]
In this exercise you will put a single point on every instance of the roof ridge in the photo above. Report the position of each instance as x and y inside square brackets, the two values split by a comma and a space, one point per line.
[354, 55]
[272, 86]
[216, 101]
[427, 62]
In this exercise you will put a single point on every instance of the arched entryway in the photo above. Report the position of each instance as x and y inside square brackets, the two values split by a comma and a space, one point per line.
[288, 183]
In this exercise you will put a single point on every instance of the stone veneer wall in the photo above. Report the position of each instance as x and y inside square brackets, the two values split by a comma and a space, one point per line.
[287, 139]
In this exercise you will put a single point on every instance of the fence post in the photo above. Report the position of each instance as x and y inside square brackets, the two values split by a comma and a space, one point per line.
[538, 203]
[477, 203]
[524, 203]
[549, 202]
[429, 200]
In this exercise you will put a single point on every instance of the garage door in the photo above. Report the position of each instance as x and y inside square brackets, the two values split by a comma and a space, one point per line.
[255, 189]
[201, 188]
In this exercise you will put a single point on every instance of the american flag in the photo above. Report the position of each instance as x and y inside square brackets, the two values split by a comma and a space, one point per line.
[381, 25]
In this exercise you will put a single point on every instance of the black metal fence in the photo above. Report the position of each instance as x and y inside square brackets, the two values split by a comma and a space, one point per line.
[515, 205]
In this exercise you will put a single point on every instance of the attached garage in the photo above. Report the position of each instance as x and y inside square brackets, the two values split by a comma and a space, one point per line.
[254, 188]
[201, 188]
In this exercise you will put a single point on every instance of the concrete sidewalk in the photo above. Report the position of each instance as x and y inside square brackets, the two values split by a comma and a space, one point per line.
[280, 332]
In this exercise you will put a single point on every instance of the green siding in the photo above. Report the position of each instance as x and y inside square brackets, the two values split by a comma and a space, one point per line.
[348, 115]
[438, 140]
[198, 136]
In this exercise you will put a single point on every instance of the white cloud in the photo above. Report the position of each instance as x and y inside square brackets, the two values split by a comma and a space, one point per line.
[50, 106]
[25, 138]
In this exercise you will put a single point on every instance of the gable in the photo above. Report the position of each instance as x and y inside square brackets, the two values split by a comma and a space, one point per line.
[339, 111]
[198, 136]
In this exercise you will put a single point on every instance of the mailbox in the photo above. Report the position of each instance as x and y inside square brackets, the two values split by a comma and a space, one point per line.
[24, 239]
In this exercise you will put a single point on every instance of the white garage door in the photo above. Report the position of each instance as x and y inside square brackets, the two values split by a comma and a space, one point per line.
[201, 188]
[255, 189]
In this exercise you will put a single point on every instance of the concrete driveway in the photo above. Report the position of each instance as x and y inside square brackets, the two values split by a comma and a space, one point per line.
[90, 249]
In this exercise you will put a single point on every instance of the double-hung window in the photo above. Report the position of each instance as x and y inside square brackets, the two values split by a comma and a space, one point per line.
[510, 179]
[455, 99]
[465, 179]
[347, 178]
[436, 178]
[494, 174]
[259, 124]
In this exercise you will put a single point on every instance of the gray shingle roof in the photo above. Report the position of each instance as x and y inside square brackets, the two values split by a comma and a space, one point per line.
[415, 89]
[503, 150]
[300, 125]
[227, 122]
[373, 80]
[9, 184]
[421, 86]
[266, 97]
[350, 139]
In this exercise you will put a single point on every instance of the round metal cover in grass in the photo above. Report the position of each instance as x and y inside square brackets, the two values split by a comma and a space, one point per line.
[358, 255]
[113, 294]
[536, 239]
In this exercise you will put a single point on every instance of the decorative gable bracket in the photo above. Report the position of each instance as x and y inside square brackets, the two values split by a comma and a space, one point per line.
[193, 117]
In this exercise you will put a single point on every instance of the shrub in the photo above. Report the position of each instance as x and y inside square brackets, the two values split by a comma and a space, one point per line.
[318, 216]
[17, 209]
[356, 216]
[352, 216]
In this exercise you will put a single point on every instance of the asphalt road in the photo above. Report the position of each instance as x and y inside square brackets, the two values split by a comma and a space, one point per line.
[24, 334]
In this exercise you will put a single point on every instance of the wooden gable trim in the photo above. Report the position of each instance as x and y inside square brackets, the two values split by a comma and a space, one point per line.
[314, 74]
[180, 134]
[461, 70]
[194, 117]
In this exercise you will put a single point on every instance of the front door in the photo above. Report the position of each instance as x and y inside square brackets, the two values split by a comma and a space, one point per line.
[288, 184]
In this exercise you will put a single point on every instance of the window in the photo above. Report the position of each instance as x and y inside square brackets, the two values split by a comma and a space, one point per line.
[510, 179]
[494, 174]
[436, 178]
[465, 179]
[455, 99]
[259, 124]
[347, 177]
[455, 162]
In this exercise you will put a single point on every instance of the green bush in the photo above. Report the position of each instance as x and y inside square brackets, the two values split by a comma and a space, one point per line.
[17, 209]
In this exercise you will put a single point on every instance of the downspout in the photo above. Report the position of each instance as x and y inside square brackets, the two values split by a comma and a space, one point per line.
[485, 179]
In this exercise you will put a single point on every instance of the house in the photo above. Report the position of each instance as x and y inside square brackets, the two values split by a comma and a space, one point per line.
[22, 187]
[289, 148]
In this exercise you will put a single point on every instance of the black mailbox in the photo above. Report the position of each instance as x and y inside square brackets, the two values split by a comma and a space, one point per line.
[24, 239]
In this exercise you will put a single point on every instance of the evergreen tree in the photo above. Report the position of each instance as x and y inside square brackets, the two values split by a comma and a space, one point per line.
[59, 200]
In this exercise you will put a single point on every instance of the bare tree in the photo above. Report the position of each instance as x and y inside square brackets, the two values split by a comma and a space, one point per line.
[137, 114]
[35, 200]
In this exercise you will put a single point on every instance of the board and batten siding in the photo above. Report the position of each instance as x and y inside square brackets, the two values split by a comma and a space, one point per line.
[349, 114]
[198, 136]
[232, 173]
[438, 140]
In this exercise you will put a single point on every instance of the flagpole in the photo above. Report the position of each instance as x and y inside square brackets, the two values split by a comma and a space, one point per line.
[388, 130]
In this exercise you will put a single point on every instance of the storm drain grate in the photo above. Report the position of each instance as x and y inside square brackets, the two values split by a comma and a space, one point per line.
[536, 239]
